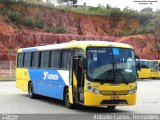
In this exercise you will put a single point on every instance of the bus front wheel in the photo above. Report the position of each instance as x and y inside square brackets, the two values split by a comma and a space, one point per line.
[30, 90]
[111, 107]
[66, 99]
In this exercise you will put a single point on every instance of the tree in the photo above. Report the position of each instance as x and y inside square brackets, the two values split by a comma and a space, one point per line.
[34, 1]
[108, 6]
[147, 10]
[67, 2]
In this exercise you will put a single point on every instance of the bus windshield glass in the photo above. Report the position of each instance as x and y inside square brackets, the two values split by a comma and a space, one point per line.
[111, 65]
[154, 65]
[144, 64]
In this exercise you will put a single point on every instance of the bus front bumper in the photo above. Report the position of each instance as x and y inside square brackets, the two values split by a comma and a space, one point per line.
[92, 99]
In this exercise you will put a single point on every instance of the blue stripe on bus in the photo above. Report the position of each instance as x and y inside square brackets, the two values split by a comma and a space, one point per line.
[29, 50]
[47, 82]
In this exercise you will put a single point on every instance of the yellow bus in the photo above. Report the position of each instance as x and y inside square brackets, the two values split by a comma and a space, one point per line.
[155, 66]
[90, 73]
[144, 68]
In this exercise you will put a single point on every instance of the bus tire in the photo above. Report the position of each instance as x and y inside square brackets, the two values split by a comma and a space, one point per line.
[30, 91]
[111, 107]
[66, 99]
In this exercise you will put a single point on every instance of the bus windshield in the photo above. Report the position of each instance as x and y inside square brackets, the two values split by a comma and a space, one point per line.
[111, 65]
[154, 65]
[144, 64]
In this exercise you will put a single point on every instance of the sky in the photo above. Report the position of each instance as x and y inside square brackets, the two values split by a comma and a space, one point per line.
[133, 4]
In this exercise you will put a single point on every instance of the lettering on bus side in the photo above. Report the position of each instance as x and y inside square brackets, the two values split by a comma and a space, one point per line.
[49, 76]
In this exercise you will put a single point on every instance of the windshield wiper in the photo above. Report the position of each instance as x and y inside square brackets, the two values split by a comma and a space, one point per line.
[125, 80]
[115, 67]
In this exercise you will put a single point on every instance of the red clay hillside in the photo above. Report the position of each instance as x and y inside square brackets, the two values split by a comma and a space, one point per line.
[26, 25]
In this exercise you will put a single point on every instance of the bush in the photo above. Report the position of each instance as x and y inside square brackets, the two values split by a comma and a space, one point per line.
[14, 16]
[115, 14]
[39, 24]
[28, 22]
[59, 29]
[158, 50]
[49, 29]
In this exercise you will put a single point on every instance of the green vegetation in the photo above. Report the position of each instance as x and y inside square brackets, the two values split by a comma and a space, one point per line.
[19, 18]
[49, 29]
[28, 22]
[10, 50]
[67, 2]
[14, 16]
[59, 29]
[39, 24]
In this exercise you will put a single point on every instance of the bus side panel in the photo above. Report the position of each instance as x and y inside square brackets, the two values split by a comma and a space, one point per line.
[22, 78]
[155, 74]
[49, 83]
[144, 73]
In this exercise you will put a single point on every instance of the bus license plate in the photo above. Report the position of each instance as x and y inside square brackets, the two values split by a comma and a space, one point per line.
[114, 98]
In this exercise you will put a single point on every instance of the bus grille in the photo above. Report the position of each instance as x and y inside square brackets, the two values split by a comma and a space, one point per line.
[114, 102]
[104, 92]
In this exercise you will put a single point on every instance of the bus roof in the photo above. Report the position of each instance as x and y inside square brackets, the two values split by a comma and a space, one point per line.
[142, 60]
[156, 60]
[75, 44]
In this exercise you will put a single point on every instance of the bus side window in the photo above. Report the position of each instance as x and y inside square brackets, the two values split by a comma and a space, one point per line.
[35, 59]
[55, 59]
[66, 57]
[20, 60]
[27, 59]
[45, 59]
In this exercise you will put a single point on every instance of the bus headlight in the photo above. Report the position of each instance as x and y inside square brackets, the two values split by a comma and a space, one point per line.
[132, 90]
[93, 90]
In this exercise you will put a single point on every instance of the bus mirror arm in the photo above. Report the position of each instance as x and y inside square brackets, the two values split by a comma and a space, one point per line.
[84, 63]
[138, 65]
[137, 57]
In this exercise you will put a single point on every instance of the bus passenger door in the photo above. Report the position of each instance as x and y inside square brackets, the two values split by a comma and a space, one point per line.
[78, 80]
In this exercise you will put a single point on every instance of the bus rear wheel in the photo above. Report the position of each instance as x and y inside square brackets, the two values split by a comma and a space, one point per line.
[111, 107]
[66, 99]
[30, 91]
